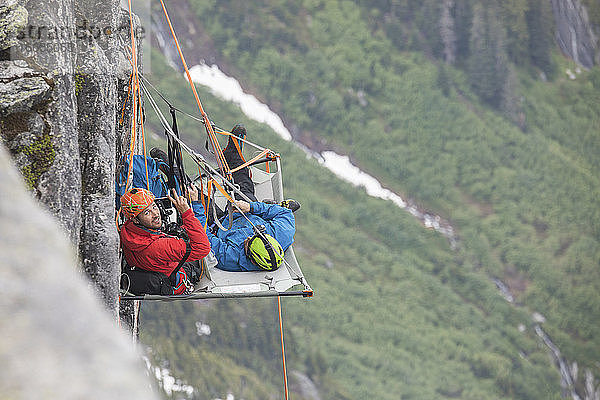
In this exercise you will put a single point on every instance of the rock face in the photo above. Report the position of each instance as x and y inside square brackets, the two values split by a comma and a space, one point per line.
[25, 89]
[60, 67]
[574, 34]
[59, 76]
[50, 53]
[58, 340]
[95, 92]
[13, 18]
[26, 93]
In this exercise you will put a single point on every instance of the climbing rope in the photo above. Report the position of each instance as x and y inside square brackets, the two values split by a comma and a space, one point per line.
[133, 93]
[137, 107]
[216, 129]
[285, 382]
[221, 162]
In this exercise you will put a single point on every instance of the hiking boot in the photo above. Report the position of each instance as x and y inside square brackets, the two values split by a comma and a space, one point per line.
[158, 154]
[239, 131]
[291, 204]
[155, 152]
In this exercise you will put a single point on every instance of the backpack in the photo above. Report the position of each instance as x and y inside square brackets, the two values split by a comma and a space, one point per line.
[140, 281]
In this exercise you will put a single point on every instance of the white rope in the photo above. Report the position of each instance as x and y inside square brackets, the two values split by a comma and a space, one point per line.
[258, 147]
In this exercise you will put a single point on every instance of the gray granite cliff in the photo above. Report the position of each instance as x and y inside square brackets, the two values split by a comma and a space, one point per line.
[61, 74]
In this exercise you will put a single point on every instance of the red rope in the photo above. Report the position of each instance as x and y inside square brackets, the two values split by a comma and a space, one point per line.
[285, 383]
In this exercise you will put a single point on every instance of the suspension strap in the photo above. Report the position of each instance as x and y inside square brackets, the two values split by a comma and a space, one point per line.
[247, 163]
[230, 203]
[223, 191]
[238, 148]
[208, 199]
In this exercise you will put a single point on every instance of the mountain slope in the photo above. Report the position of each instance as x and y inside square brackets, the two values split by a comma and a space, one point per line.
[397, 312]
[342, 76]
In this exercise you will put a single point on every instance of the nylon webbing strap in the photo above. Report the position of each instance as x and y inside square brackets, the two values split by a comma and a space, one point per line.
[229, 207]
[208, 199]
[236, 143]
[247, 163]
[223, 191]
[175, 157]
[188, 250]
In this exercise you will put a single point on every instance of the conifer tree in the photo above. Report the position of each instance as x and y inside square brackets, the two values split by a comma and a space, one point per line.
[463, 17]
[488, 62]
[540, 23]
[447, 32]
[512, 13]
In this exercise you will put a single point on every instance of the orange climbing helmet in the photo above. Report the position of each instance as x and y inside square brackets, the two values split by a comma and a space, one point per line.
[134, 201]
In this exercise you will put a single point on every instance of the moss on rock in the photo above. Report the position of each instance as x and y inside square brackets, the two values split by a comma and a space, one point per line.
[41, 155]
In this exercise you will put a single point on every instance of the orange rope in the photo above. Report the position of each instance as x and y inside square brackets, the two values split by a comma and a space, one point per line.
[143, 137]
[131, 149]
[209, 129]
[134, 98]
[285, 383]
[227, 196]
[239, 150]
[264, 152]
[236, 141]
[137, 102]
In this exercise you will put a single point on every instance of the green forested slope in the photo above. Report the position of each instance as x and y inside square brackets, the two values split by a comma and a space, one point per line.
[397, 313]
[535, 179]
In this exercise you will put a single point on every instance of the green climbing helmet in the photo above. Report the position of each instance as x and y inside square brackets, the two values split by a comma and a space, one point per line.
[264, 250]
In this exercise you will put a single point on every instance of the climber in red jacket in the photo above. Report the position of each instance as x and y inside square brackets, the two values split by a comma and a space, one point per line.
[147, 248]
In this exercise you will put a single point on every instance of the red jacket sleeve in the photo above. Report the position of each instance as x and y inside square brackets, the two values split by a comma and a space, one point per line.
[198, 239]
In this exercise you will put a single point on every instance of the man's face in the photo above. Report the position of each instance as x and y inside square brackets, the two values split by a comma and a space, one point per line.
[150, 217]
